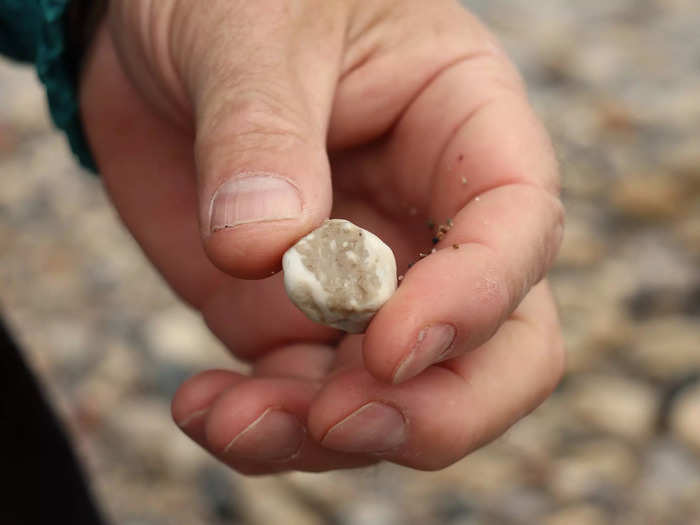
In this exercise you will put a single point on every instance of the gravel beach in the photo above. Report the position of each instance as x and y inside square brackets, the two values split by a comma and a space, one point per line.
[617, 83]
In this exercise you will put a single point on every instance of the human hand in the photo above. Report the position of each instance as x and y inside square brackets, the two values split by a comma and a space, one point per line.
[383, 112]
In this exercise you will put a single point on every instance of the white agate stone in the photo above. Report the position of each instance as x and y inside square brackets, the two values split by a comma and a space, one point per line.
[340, 275]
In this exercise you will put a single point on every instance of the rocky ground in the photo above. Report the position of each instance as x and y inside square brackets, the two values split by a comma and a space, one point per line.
[618, 85]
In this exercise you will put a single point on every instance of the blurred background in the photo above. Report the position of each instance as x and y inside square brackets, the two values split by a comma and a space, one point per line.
[617, 83]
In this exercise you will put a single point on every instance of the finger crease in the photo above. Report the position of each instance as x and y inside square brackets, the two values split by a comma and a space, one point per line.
[452, 136]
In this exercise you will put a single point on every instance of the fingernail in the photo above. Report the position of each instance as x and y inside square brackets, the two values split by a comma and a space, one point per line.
[374, 427]
[193, 425]
[432, 346]
[197, 414]
[250, 198]
[275, 436]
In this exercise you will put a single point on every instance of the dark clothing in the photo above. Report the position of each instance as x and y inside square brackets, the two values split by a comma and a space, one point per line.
[36, 31]
[41, 480]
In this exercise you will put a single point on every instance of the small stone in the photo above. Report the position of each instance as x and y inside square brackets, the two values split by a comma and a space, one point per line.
[452, 507]
[665, 347]
[522, 506]
[489, 472]
[340, 275]
[279, 504]
[648, 197]
[685, 418]
[577, 515]
[592, 338]
[144, 429]
[650, 303]
[617, 405]
[372, 512]
[178, 335]
[600, 469]
[687, 231]
[670, 483]
[219, 494]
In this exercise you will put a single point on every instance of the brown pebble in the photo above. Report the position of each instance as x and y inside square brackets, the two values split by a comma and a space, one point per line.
[455, 246]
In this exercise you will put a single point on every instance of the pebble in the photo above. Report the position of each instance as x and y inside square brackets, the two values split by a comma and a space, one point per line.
[648, 303]
[577, 515]
[649, 197]
[266, 500]
[177, 335]
[665, 347]
[156, 446]
[687, 231]
[23, 106]
[372, 512]
[595, 337]
[685, 418]
[219, 494]
[616, 405]
[664, 263]
[522, 506]
[71, 339]
[487, 473]
[600, 469]
[669, 485]
[340, 275]
[452, 508]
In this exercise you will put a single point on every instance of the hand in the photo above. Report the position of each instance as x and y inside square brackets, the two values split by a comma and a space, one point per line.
[224, 132]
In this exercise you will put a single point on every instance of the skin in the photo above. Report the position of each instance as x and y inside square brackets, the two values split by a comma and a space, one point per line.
[376, 110]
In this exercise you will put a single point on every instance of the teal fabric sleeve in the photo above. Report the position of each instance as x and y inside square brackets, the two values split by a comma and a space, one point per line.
[35, 31]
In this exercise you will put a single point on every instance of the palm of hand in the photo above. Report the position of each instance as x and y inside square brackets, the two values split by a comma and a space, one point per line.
[397, 159]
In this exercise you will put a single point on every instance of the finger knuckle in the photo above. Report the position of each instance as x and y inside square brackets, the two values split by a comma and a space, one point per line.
[251, 119]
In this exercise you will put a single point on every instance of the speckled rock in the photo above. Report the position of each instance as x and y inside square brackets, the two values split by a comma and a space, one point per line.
[340, 275]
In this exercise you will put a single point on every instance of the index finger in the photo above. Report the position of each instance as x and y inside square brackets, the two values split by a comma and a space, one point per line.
[492, 172]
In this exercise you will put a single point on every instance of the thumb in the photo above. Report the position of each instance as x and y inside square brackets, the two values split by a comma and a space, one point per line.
[262, 105]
